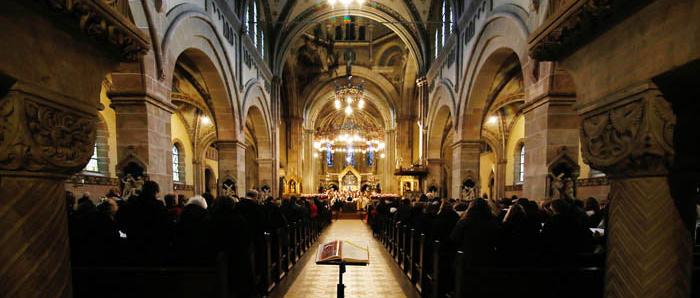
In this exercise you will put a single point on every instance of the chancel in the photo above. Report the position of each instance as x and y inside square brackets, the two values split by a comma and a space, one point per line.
[456, 148]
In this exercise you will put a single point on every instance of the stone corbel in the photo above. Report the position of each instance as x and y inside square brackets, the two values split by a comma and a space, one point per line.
[42, 132]
[101, 20]
[629, 133]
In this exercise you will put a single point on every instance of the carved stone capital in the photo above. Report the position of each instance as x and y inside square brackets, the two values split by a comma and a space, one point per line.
[41, 135]
[629, 133]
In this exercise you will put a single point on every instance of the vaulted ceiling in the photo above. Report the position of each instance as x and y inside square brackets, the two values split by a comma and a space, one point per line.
[282, 10]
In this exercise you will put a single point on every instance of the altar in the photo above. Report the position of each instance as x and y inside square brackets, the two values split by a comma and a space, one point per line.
[349, 179]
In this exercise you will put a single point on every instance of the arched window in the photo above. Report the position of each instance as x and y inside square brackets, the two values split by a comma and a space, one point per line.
[178, 164]
[92, 165]
[99, 161]
[448, 20]
[520, 164]
[251, 19]
[445, 21]
[437, 42]
[329, 155]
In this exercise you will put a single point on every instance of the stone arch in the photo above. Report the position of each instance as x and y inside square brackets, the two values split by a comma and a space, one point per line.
[191, 33]
[436, 131]
[257, 115]
[383, 14]
[480, 98]
[256, 109]
[385, 101]
[502, 36]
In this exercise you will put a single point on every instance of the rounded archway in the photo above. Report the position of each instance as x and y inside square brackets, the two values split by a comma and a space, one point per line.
[258, 150]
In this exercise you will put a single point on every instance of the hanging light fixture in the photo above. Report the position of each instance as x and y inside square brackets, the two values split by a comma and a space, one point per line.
[346, 3]
[350, 137]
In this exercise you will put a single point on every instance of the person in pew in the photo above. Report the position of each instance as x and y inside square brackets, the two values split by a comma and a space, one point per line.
[95, 238]
[593, 212]
[254, 216]
[144, 220]
[232, 236]
[518, 241]
[274, 217]
[193, 239]
[564, 235]
[477, 233]
[172, 207]
[441, 228]
[403, 213]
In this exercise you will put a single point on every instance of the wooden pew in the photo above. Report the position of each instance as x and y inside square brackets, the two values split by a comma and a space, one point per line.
[171, 281]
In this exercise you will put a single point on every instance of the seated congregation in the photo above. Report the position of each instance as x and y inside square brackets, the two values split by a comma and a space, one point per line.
[197, 247]
[486, 248]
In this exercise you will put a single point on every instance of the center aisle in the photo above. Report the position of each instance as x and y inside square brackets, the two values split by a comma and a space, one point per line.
[382, 278]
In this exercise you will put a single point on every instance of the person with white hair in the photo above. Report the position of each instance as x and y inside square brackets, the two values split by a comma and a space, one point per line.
[197, 200]
[193, 233]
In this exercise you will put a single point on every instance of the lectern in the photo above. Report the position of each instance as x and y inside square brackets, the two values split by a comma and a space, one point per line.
[342, 254]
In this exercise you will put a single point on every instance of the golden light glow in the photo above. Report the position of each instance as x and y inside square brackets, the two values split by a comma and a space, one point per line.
[206, 120]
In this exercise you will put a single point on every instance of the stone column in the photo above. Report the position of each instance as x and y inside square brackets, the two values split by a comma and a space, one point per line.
[265, 172]
[143, 131]
[308, 162]
[198, 176]
[276, 150]
[423, 100]
[44, 138]
[294, 148]
[629, 136]
[550, 124]
[465, 162]
[434, 174]
[232, 164]
[388, 181]
[500, 177]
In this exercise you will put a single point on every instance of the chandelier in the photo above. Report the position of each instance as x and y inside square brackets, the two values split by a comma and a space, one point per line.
[351, 137]
[346, 3]
[349, 95]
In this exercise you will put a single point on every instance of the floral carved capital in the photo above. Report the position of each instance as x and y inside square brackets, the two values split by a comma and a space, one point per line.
[39, 136]
[632, 136]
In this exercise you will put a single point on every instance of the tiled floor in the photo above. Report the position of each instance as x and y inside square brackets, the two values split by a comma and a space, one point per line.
[381, 278]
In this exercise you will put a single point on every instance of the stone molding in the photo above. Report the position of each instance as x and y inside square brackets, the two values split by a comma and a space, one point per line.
[468, 144]
[86, 179]
[596, 181]
[41, 131]
[514, 187]
[629, 133]
[101, 20]
[223, 145]
[182, 186]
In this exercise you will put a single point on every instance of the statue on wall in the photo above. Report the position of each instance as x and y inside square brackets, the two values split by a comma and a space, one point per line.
[292, 186]
[468, 190]
[129, 188]
[229, 188]
[557, 186]
[569, 188]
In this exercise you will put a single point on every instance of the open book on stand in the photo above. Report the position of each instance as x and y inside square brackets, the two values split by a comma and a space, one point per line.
[338, 251]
